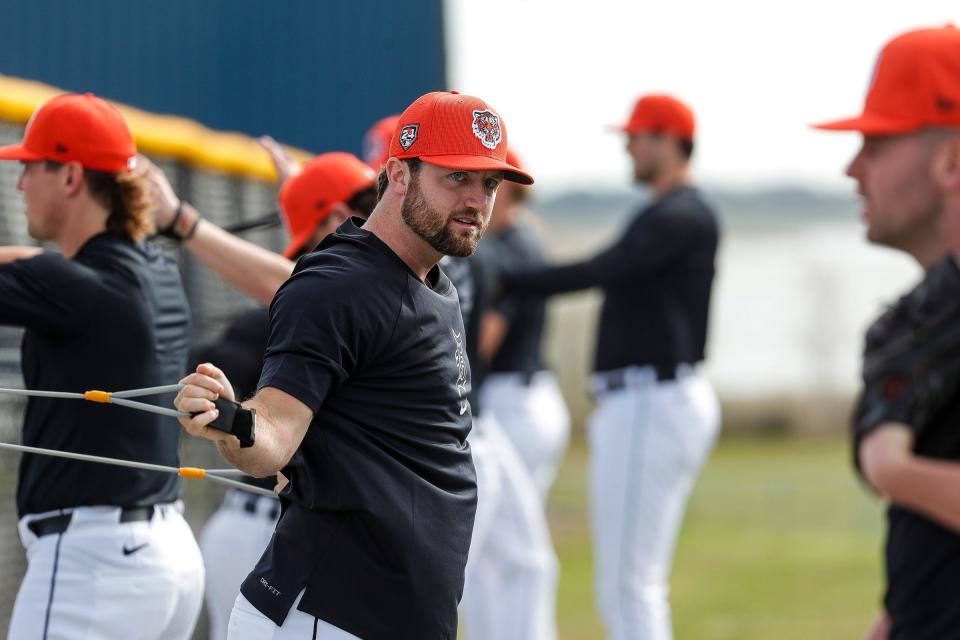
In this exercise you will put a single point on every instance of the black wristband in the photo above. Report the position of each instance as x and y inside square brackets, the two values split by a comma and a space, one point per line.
[235, 420]
[175, 230]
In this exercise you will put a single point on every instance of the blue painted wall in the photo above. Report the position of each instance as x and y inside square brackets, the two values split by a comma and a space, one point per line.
[314, 74]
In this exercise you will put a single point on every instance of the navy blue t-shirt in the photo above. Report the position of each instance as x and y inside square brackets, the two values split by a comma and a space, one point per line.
[382, 492]
[114, 317]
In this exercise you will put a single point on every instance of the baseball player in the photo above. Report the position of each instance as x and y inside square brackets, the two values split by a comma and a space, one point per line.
[520, 391]
[511, 574]
[366, 380]
[906, 441]
[313, 201]
[656, 419]
[107, 548]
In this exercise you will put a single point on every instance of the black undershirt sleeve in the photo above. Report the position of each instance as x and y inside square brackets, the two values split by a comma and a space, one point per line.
[650, 243]
[47, 293]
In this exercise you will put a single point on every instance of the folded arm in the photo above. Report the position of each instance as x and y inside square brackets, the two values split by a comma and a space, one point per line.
[925, 485]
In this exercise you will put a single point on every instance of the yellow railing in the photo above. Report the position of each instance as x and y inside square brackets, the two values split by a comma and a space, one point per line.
[179, 138]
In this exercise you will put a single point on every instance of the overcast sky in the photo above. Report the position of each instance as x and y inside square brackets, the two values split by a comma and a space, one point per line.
[755, 73]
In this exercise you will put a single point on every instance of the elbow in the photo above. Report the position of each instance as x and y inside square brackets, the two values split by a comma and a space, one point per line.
[883, 472]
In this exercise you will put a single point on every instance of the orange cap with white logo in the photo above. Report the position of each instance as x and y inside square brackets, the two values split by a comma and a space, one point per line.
[915, 84]
[455, 131]
[77, 128]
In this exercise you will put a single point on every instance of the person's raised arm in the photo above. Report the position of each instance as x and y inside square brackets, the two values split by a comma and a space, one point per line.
[249, 268]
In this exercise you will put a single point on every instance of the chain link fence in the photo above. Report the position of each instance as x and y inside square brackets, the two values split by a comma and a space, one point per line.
[226, 200]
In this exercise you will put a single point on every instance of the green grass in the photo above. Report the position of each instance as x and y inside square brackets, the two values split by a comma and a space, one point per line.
[780, 541]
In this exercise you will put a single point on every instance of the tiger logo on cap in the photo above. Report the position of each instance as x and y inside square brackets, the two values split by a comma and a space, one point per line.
[486, 126]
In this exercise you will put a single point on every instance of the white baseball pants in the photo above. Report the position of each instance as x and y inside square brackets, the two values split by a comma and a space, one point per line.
[247, 623]
[232, 542]
[648, 442]
[510, 591]
[535, 419]
[102, 579]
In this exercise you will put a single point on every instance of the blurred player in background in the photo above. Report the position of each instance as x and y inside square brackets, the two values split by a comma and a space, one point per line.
[906, 441]
[656, 418]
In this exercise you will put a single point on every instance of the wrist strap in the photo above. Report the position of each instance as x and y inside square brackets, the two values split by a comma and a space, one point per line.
[181, 228]
[236, 420]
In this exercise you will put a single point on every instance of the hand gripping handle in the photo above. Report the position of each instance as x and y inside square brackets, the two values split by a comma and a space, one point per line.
[236, 421]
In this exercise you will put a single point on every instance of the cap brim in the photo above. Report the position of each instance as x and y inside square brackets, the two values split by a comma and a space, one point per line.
[870, 125]
[480, 163]
[17, 152]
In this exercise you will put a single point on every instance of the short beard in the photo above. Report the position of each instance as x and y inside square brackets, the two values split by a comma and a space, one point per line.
[433, 227]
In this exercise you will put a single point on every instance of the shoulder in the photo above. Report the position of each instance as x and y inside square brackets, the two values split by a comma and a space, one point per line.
[683, 210]
[688, 200]
[54, 269]
[343, 279]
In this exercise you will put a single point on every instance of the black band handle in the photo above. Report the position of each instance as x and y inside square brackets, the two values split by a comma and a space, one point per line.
[235, 420]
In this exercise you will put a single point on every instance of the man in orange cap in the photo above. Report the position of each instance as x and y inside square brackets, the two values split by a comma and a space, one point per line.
[107, 546]
[365, 379]
[314, 200]
[905, 424]
[656, 419]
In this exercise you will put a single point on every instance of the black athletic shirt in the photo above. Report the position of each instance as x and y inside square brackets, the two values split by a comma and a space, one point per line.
[922, 556]
[114, 317]
[656, 281]
[518, 249]
[381, 500]
[239, 354]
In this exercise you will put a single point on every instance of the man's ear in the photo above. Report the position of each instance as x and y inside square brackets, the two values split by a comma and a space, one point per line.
[398, 175]
[948, 167]
[73, 178]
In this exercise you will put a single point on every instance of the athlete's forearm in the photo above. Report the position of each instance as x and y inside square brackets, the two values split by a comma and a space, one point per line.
[925, 485]
[274, 444]
[253, 270]
[928, 486]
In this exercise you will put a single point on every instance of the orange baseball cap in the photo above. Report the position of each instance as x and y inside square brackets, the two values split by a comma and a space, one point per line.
[915, 84]
[376, 142]
[455, 131]
[307, 198]
[659, 113]
[77, 128]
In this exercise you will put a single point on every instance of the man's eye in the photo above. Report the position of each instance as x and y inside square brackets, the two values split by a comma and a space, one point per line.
[458, 176]
[492, 184]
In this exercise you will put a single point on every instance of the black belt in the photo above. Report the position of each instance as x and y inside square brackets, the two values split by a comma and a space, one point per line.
[525, 378]
[250, 506]
[617, 379]
[58, 524]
